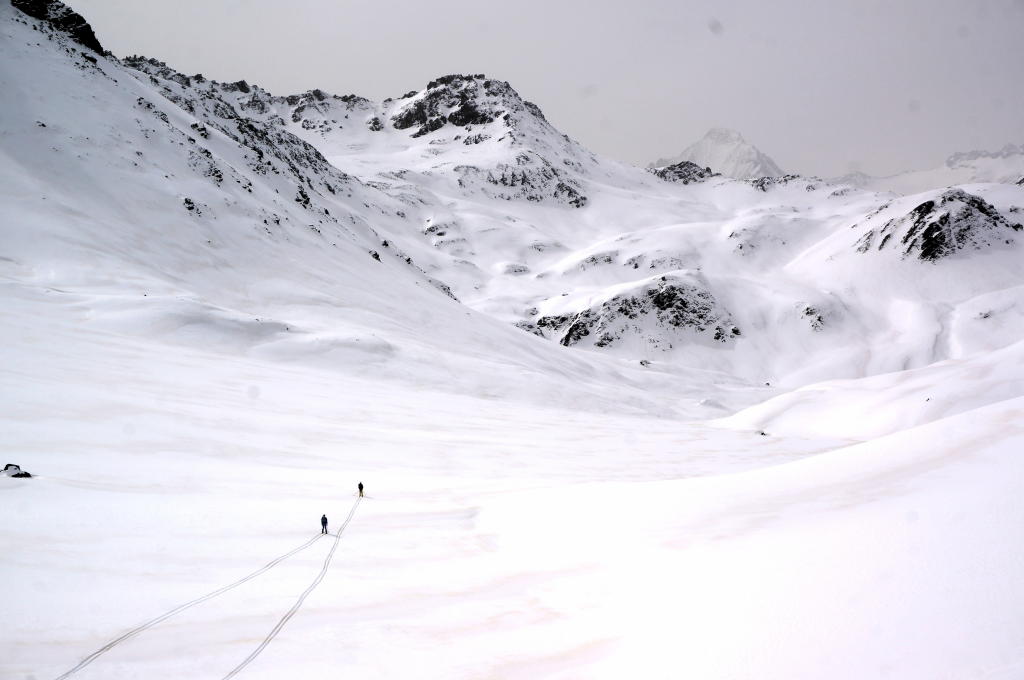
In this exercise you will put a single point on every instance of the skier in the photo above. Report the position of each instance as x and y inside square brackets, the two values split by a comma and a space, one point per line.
[360, 489]
[323, 524]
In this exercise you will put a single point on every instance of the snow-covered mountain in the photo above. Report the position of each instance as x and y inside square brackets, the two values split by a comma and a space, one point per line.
[727, 152]
[585, 397]
[1005, 166]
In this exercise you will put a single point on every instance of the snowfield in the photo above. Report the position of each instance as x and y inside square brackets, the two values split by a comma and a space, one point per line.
[611, 424]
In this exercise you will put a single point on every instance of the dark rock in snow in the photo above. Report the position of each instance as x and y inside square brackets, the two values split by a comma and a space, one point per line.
[62, 18]
[656, 311]
[766, 183]
[461, 100]
[683, 172]
[954, 221]
[12, 470]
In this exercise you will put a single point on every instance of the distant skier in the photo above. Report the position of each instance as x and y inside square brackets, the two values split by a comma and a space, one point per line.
[323, 524]
[360, 489]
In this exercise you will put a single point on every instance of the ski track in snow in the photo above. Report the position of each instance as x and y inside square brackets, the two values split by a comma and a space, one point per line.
[298, 603]
[177, 610]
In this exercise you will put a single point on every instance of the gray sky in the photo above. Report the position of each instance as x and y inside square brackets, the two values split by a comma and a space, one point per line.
[822, 87]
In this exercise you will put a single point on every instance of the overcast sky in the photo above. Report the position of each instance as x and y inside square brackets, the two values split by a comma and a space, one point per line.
[822, 87]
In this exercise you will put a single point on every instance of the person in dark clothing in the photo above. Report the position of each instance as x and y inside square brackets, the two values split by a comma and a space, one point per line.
[323, 524]
[360, 489]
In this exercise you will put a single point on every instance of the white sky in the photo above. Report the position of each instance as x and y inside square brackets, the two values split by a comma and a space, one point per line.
[822, 87]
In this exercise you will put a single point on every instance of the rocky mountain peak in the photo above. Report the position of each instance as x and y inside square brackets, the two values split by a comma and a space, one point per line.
[62, 18]
[461, 100]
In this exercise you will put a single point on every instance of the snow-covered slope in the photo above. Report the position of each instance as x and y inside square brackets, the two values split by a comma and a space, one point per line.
[472, 186]
[727, 152]
[224, 307]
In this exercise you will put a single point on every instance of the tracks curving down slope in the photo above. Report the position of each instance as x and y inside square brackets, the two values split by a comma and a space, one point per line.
[177, 610]
[298, 603]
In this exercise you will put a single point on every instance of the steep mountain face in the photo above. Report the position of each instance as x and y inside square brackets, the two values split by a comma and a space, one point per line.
[61, 18]
[727, 152]
[952, 222]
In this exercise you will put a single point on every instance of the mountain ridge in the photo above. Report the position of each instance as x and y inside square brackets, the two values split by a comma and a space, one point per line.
[466, 188]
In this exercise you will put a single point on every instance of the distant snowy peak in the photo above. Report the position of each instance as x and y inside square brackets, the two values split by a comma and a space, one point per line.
[953, 221]
[1005, 166]
[727, 152]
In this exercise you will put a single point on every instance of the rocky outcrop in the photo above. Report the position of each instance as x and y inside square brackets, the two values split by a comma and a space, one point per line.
[666, 311]
[241, 111]
[532, 178]
[461, 100]
[12, 470]
[952, 222]
[62, 18]
[683, 172]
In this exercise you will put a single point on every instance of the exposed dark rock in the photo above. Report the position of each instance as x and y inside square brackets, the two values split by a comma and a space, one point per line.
[766, 183]
[668, 304]
[935, 229]
[62, 18]
[461, 100]
[814, 317]
[274, 150]
[532, 178]
[684, 172]
[12, 470]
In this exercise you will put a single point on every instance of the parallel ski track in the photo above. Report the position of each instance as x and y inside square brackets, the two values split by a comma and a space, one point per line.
[298, 603]
[177, 610]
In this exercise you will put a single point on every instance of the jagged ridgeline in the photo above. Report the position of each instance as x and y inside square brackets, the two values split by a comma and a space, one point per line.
[62, 18]
[464, 189]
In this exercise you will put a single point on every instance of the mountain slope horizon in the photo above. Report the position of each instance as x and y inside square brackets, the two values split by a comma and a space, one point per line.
[587, 401]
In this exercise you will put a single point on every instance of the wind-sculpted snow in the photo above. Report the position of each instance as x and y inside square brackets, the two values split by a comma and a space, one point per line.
[952, 222]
